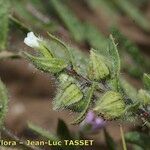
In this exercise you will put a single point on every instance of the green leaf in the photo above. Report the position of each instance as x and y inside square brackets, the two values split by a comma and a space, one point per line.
[63, 131]
[88, 96]
[129, 90]
[114, 58]
[42, 132]
[3, 102]
[53, 65]
[134, 13]
[69, 19]
[111, 145]
[96, 39]
[4, 13]
[18, 24]
[146, 81]
[137, 138]
[136, 147]
[139, 63]
[62, 48]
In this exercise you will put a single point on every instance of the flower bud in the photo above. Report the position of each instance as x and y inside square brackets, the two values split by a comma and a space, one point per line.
[110, 105]
[97, 69]
[31, 40]
[144, 97]
[68, 96]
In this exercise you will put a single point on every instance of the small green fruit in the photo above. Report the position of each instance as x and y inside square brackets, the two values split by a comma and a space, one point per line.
[110, 105]
[68, 96]
[144, 97]
[97, 69]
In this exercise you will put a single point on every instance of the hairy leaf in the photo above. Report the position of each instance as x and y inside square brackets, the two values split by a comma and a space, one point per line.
[146, 81]
[129, 90]
[3, 102]
[115, 59]
[42, 132]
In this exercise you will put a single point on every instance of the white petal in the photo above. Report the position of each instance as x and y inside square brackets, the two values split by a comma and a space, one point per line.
[31, 40]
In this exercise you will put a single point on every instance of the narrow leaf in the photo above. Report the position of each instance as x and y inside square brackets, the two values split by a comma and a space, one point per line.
[4, 13]
[42, 132]
[111, 145]
[115, 59]
[69, 19]
[146, 81]
[62, 130]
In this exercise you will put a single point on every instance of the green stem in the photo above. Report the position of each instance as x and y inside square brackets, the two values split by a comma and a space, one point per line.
[123, 139]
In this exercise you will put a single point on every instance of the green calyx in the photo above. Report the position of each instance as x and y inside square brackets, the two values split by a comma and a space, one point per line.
[110, 105]
[51, 65]
[97, 69]
[68, 96]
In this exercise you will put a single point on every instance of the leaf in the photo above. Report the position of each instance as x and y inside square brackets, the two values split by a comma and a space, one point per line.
[42, 132]
[96, 39]
[88, 96]
[3, 102]
[129, 90]
[137, 138]
[18, 24]
[71, 54]
[53, 65]
[136, 147]
[4, 13]
[115, 59]
[134, 13]
[33, 14]
[63, 131]
[63, 47]
[146, 81]
[69, 19]
[140, 63]
[111, 145]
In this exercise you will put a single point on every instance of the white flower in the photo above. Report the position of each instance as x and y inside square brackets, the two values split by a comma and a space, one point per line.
[31, 40]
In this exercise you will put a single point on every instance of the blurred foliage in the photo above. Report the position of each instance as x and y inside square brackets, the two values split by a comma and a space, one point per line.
[139, 139]
[4, 13]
